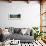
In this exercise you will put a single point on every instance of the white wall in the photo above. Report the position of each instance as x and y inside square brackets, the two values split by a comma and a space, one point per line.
[30, 14]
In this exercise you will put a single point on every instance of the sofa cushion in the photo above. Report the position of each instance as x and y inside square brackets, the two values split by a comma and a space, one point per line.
[11, 29]
[17, 30]
[23, 31]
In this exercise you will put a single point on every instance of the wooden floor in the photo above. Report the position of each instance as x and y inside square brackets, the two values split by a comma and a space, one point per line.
[35, 43]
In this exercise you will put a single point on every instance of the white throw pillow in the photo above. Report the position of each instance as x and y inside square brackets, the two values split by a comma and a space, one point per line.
[5, 32]
[23, 31]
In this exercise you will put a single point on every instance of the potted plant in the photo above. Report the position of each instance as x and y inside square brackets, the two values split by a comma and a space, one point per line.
[37, 33]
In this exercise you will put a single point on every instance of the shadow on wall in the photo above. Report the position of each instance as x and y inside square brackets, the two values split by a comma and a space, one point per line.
[1, 35]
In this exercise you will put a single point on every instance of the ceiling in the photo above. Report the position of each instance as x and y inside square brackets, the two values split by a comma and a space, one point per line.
[24, 0]
[20, 0]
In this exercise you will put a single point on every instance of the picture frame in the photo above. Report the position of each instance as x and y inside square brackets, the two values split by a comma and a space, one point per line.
[14, 16]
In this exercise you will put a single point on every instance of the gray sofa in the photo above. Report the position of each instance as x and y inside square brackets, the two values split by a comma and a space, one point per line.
[17, 35]
[22, 38]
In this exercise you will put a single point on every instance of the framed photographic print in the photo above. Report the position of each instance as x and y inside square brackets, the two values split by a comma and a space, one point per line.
[14, 16]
